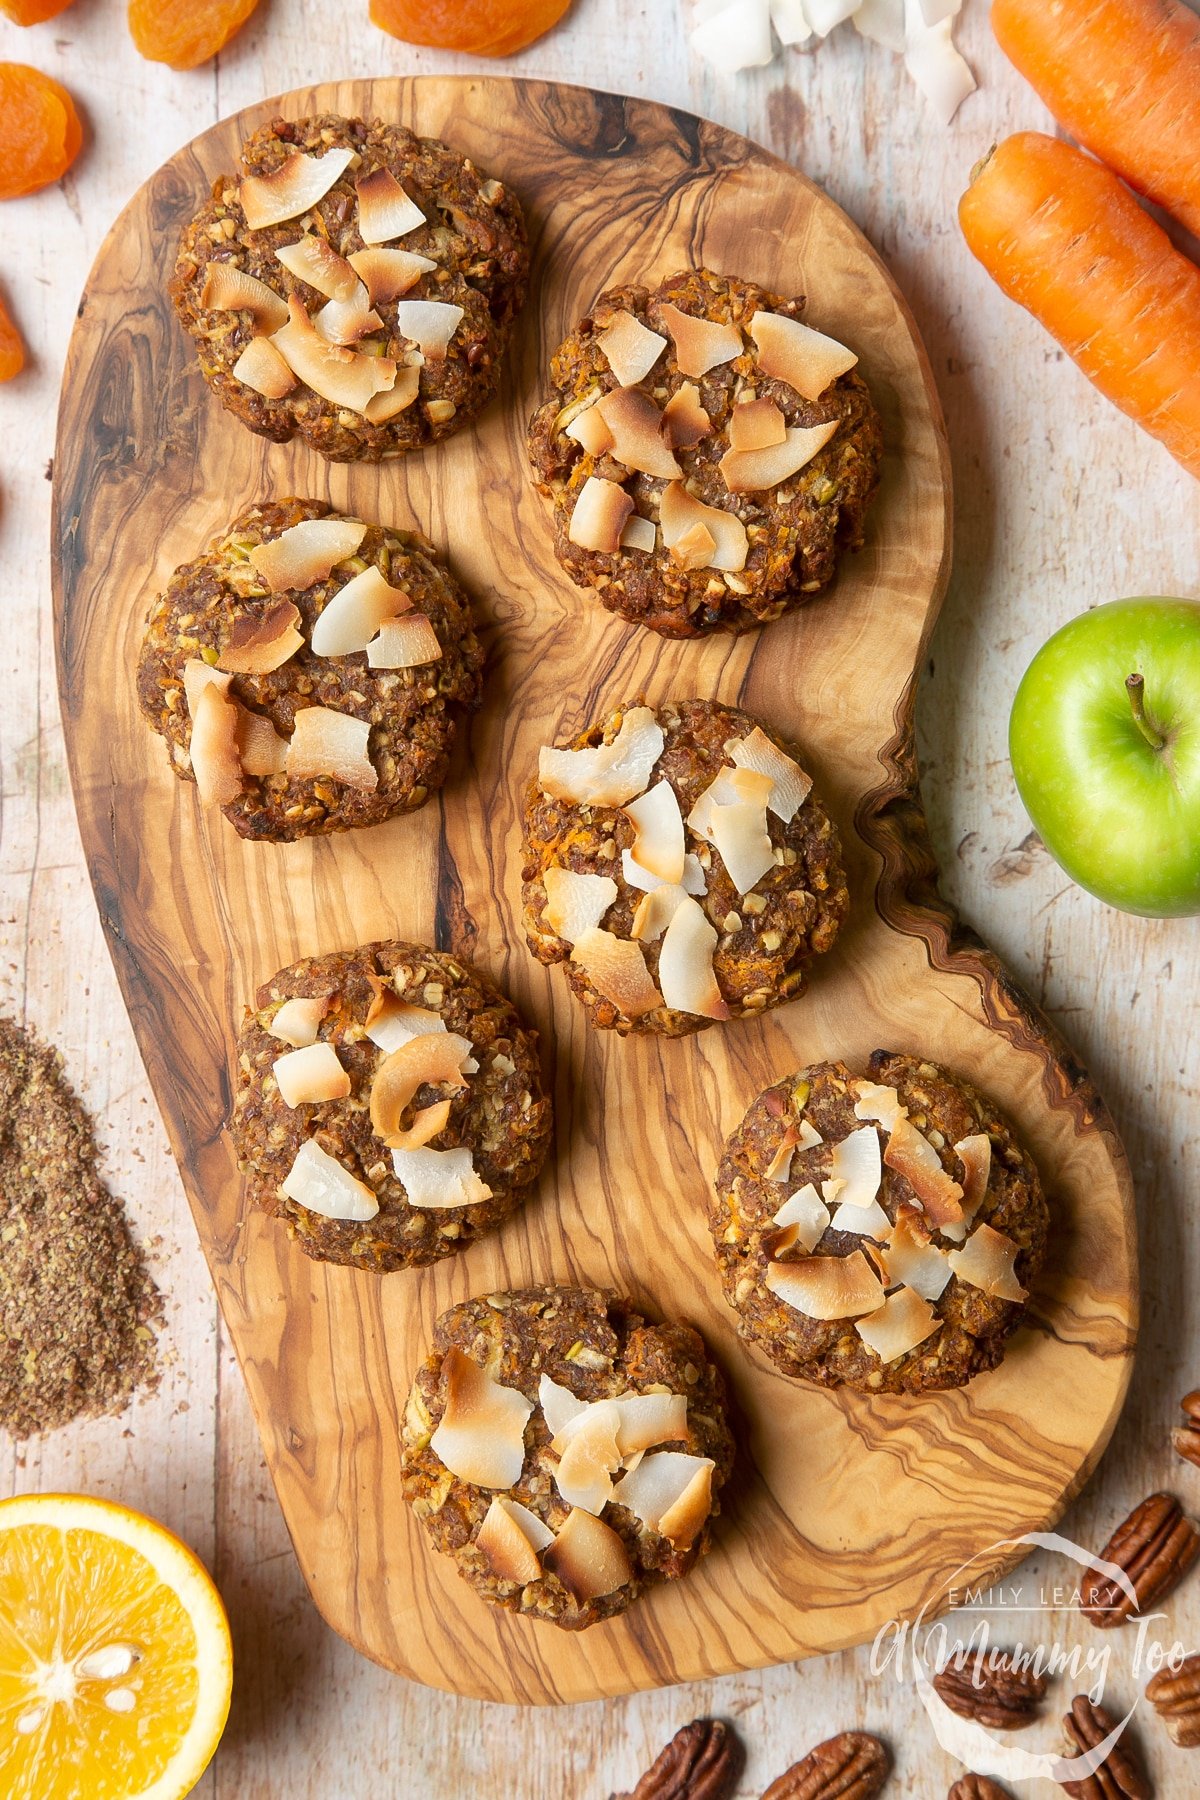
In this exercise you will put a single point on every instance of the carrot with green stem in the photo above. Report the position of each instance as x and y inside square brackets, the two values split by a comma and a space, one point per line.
[1065, 239]
[1122, 76]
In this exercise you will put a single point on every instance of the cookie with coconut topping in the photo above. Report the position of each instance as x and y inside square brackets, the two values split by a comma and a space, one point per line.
[708, 455]
[309, 672]
[389, 1105]
[354, 285]
[564, 1452]
[680, 867]
[880, 1233]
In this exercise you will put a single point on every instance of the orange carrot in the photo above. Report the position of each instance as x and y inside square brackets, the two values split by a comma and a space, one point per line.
[1123, 76]
[1061, 235]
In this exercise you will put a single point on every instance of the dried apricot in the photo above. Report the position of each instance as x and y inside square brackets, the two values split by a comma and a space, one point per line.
[185, 36]
[12, 350]
[484, 27]
[40, 133]
[33, 12]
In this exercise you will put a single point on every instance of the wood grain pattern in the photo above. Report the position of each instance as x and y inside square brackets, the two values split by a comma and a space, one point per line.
[849, 1511]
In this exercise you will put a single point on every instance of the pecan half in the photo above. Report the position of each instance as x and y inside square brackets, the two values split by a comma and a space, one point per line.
[1175, 1697]
[851, 1766]
[977, 1787]
[1120, 1775]
[1156, 1546]
[991, 1689]
[1186, 1438]
[701, 1762]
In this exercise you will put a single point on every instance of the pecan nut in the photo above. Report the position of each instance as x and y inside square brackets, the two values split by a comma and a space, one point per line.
[1175, 1697]
[991, 1689]
[977, 1787]
[701, 1762]
[851, 1766]
[1120, 1776]
[1155, 1546]
[1186, 1438]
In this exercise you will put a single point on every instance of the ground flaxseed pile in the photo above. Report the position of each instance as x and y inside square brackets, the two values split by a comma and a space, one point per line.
[77, 1305]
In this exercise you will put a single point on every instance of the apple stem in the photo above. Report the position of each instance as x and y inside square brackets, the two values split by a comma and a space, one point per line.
[1135, 687]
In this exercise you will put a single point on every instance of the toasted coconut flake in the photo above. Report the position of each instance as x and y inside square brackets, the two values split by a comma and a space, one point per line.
[684, 420]
[262, 367]
[880, 1103]
[213, 747]
[805, 359]
[599, 516]
[635, 426]
[631, 350]
[685, 966]
[576, 903]
[611, 774]
[856, 1162]
[510, 1538]
[790, 785]
[310, 1076]
[230, 289]
[438, 1178]
[987, 1261]
[696, 548]
[481, 1436]
[810, 1137]
[654, 912]
[387, 274]
[559, 1405]
[261, 750]
[345, 321]
[385, 210]
[658, 825]
[617, 969]
[975, 1154]
[589, 1456]
[740, 837]
[729, 787]
[588, 1558]
[314, 261]
[588, 430]
[671, 1493]
[425, 1127]
[391, 1022]
[306, 553]
[429, 324]
[868, 1221]
[331, 745]
[197, 675]
[913, 1156]
[428, 1059]
[756, 425]
[321, 1184]
[700, 344]
[827, 1287]
[298, 1020]
[751, 471]
[407, 643]
[397, 399]
[779, 1167]
[679, 511]
[693, 875]
[639, 534]
[912, 1259]
[902, 1322]
[260, 642]
[807, 1214]
[351, 617]
[341, 376]
[292, 188]
[649, 1419]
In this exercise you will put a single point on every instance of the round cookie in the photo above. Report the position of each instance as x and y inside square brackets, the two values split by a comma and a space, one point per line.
[388, 223]
[780, 515]
[762, 890]
[952, 1227]
[222, 620]
[509, 1372]
[393, 1171]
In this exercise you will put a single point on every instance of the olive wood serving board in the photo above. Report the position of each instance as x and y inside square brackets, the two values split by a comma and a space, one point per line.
[845, 1511]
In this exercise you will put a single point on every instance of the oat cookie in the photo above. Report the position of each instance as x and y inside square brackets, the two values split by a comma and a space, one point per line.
[878, 1233]
[708, 456]
[389, 1105]
[564, 1452]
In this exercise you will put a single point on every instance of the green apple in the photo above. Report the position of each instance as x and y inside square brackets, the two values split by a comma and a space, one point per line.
[1105, 745]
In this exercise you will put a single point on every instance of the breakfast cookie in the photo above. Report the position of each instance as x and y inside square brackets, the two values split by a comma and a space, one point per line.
[680, 867]
[880, 1234]
[388, 1106]
[708, 455]
[564, 1452]
[309, 671]
[354, 285]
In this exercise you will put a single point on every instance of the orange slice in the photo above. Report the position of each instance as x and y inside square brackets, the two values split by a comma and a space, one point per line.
[115, 1661]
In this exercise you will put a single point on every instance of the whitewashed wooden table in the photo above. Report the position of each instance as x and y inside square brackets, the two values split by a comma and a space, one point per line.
[1060, 504]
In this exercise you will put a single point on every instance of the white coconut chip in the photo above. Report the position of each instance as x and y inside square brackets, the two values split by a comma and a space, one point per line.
[331, 745]
[321, 1184]
[406, 643]
[559, 1405]
[481, 1436]
[630, 348]
[680, 513]
[808, 1213]
[685, 965]
[429, 324]
[298, 1020]
[610, 774]
[385, 209]
[902, 1322]
[987, 1261]
[589, 1456]
[310, 1076]
[827, 1287]
[387, 274]
[617, 969]
[670, 1492]
[737, 35]
[880, 1103]
[693, 875]
[700, 344]
[588, 1558]
[439, 1178]
[635, 427]
[262, 367]
[510, 1538]
[654, 912]
[295, 186]
[576, 903]
[306, 553]
[598, 519]
[912, 1259]
[753, 471]
[639, 534]
[350, 619]
[790, 786]
[658, 845]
